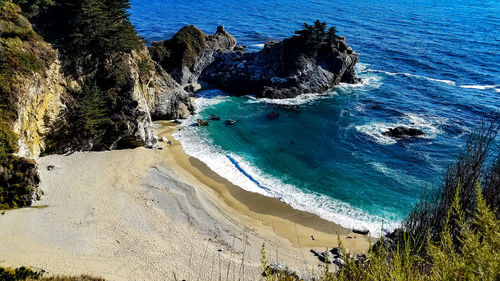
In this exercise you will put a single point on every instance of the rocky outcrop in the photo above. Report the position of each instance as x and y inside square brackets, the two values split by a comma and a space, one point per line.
[402, 132]
[189, 52]
[53, 102]
[39, 105]
[168, 100]
[285, 69]
[132, 89]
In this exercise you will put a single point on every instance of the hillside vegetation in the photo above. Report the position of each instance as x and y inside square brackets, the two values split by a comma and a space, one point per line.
[453, 234]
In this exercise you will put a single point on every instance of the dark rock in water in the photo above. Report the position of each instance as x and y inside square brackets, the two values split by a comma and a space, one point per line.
[285, 69]
[273, 115]
[176, 121]
[401, 132]
[285, 106]
[229, 122]
[202, 123]
[361, 231]
[51, 167]
[214, 118]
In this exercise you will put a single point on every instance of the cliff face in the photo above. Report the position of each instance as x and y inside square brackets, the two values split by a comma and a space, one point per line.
[189, 52]
[313, 61]
[102, 103]
[52, 102]
[39, 106]
[285, 69]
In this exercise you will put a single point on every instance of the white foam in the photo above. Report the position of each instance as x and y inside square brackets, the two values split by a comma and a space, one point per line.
[375, 130]
[201, 147]
[428, 124]
[449, 82]
[261, 46]
[368, 79]
[298, 100]
[480, 87]
[497, 90]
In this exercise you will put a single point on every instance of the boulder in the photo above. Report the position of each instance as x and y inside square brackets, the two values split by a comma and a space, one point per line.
[339, 262]
[229, 122]
[277, 268]
[360, 257]
[202, 123]
[401, 132]
[361, 231]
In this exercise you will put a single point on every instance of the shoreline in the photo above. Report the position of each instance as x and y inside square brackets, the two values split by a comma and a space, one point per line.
[271, 211]
[143, 214]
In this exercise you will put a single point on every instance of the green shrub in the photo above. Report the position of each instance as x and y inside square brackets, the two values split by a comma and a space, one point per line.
[93, 109]
[17, 274]
[181, 50]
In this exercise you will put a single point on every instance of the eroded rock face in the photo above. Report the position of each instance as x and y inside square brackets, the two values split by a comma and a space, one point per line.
[284, 69]
[39, 105]
[135, 91]
[189, 52]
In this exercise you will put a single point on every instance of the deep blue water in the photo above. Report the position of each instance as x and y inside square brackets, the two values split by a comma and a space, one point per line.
[433, 65]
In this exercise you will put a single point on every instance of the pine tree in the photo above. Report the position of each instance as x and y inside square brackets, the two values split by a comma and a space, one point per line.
[102, 27]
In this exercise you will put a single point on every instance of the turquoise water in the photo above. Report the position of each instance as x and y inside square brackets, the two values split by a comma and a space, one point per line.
[432, 65]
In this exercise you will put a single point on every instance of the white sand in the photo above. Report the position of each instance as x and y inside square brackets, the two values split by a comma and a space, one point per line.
[135, 215]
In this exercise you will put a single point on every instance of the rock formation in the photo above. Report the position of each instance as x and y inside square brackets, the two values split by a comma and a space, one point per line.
[56, 101]
[189, 52]
[285, 69]
[401, 132]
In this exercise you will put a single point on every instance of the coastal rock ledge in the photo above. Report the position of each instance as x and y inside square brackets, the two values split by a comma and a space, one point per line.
[312, 61]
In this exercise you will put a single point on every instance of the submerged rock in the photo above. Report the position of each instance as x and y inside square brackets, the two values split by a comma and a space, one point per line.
[294, 107]
[214, 118]
[229, 122]
[401, 132]
[273, 115]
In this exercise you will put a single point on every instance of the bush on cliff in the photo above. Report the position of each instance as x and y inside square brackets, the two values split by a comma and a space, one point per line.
[308, 42]
[181, 50]
[429, 216]
[22, 53]
[462, 242]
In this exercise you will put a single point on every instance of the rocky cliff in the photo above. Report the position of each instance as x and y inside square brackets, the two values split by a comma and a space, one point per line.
[186, 55]
[56, 101]
[308, 63]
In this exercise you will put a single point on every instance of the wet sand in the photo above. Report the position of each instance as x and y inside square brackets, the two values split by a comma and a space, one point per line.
[158, 215]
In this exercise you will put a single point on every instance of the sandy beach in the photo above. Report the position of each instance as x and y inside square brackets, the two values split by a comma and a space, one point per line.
[158, 215]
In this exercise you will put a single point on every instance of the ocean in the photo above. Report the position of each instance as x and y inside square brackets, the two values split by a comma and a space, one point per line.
[429, 64]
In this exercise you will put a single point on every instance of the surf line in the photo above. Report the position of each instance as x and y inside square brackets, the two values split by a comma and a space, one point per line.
[237, 165]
